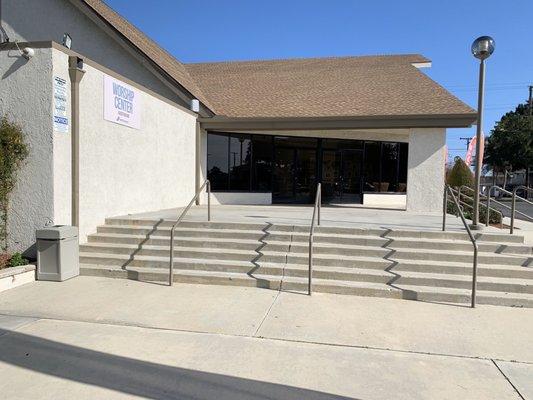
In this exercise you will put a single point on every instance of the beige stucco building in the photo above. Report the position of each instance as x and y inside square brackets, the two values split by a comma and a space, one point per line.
[116, 125]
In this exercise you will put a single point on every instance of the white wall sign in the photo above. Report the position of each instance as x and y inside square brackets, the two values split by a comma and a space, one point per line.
[60, 105]
[121, 103]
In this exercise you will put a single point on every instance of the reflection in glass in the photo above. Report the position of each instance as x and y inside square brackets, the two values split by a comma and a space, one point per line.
[262, 162]
[240, 158]
[217, 161]
[390, 153]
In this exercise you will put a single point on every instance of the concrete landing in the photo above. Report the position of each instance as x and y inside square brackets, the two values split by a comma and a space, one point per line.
[351, 217]
[101, 338]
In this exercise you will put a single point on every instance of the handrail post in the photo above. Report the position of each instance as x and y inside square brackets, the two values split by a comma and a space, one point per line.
[488, 206]
[208, 200]
[513, 208]
[206, 185]
[474, 243]
[474, 277]
[171, 271]
[310, 277]
[444, 208]
[319, 201]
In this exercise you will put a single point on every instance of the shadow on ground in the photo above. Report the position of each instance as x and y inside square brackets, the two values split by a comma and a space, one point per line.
[135, 377]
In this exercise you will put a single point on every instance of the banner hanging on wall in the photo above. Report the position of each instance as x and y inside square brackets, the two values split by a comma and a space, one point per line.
[122, 103]
[60, 105]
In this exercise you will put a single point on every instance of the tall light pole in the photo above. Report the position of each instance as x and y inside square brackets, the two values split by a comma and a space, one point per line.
[482, 48]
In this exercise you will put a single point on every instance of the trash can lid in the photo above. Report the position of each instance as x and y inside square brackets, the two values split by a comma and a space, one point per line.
[57, 232]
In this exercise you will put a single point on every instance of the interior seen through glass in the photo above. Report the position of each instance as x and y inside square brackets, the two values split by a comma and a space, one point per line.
[291, 167]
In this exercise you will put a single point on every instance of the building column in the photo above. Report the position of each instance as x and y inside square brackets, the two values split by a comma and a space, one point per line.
[426, 170]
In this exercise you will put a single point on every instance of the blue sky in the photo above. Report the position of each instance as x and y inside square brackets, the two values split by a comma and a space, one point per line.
[201, 31]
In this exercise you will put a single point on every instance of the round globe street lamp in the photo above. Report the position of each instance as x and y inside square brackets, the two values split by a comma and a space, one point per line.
[482, 48]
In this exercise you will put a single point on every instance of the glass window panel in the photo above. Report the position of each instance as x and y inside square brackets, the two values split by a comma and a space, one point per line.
[217, 161]
[372, 167]
[240, 159]
[262, 163]
[390, 153]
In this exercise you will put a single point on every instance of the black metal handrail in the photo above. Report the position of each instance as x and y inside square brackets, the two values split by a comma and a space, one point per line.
[449, 190]
[316, 211]
[207, 185]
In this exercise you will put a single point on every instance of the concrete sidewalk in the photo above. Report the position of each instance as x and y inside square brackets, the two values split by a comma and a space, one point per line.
[103, 338]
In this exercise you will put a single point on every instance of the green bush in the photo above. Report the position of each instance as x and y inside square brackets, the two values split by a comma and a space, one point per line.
[494, 217]
[13, 152]
[17, 260]
[460, 174]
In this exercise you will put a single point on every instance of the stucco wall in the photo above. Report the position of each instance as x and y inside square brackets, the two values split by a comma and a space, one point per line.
[43, 20]
[125, 170]
[25, 97]
[425, 176]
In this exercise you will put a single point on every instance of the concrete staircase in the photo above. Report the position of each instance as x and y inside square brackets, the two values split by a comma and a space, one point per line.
[423, 265]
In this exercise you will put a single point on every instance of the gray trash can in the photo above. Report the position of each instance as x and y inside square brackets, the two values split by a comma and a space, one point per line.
[57, 253]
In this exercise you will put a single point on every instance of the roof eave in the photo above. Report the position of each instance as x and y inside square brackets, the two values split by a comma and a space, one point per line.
[181, 91]
[357, 122]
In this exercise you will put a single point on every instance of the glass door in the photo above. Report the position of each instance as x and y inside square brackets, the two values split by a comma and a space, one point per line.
[284, 163]
[341, 176]
[351, 176]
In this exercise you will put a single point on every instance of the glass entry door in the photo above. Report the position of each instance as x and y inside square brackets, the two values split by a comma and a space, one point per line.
[341, 175]
[294, 175]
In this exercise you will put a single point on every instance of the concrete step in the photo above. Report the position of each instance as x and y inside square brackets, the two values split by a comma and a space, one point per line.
[324, 254]
[295, 247]
[461, 268]
[358, 231]
[403, 291]
[458, 245]
[460, 256]
[389, 275]
[300, 241]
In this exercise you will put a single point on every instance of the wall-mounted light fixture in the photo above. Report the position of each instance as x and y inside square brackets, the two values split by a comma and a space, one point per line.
[195, 105]
[67, 40]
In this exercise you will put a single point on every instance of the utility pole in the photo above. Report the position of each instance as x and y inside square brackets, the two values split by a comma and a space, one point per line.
[468, 139]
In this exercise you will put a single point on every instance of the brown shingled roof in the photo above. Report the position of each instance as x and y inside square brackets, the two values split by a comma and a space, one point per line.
[150, 48]
[324, 87]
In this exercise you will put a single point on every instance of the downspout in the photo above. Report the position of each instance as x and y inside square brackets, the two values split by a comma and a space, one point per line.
[76, 72]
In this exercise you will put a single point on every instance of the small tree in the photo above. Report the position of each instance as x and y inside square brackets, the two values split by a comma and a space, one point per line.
[13, 152]
[460, 174]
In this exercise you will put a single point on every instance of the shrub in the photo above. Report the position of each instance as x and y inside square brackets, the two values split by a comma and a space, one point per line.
[17, 260]
[4, 260]
[460, 174]
[494, 217]
[13, 152]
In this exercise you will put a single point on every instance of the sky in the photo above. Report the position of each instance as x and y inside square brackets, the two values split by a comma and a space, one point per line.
[442, 30]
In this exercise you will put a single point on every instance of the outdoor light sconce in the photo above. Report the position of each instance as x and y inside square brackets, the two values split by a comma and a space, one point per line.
[67, 40]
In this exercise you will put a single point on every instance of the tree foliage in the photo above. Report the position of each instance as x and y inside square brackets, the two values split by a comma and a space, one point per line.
[510, 144]
[13, 152]
[460, 174]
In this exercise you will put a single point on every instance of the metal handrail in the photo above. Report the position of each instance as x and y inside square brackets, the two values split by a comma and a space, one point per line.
[316, 211]
[448, 189]
[514, 196]
[513, 205]
[487, 205]
[207, 185]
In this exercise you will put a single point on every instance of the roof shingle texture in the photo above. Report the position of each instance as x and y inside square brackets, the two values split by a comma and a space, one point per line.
[150, 48]
[324, 87]
[316, 87]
